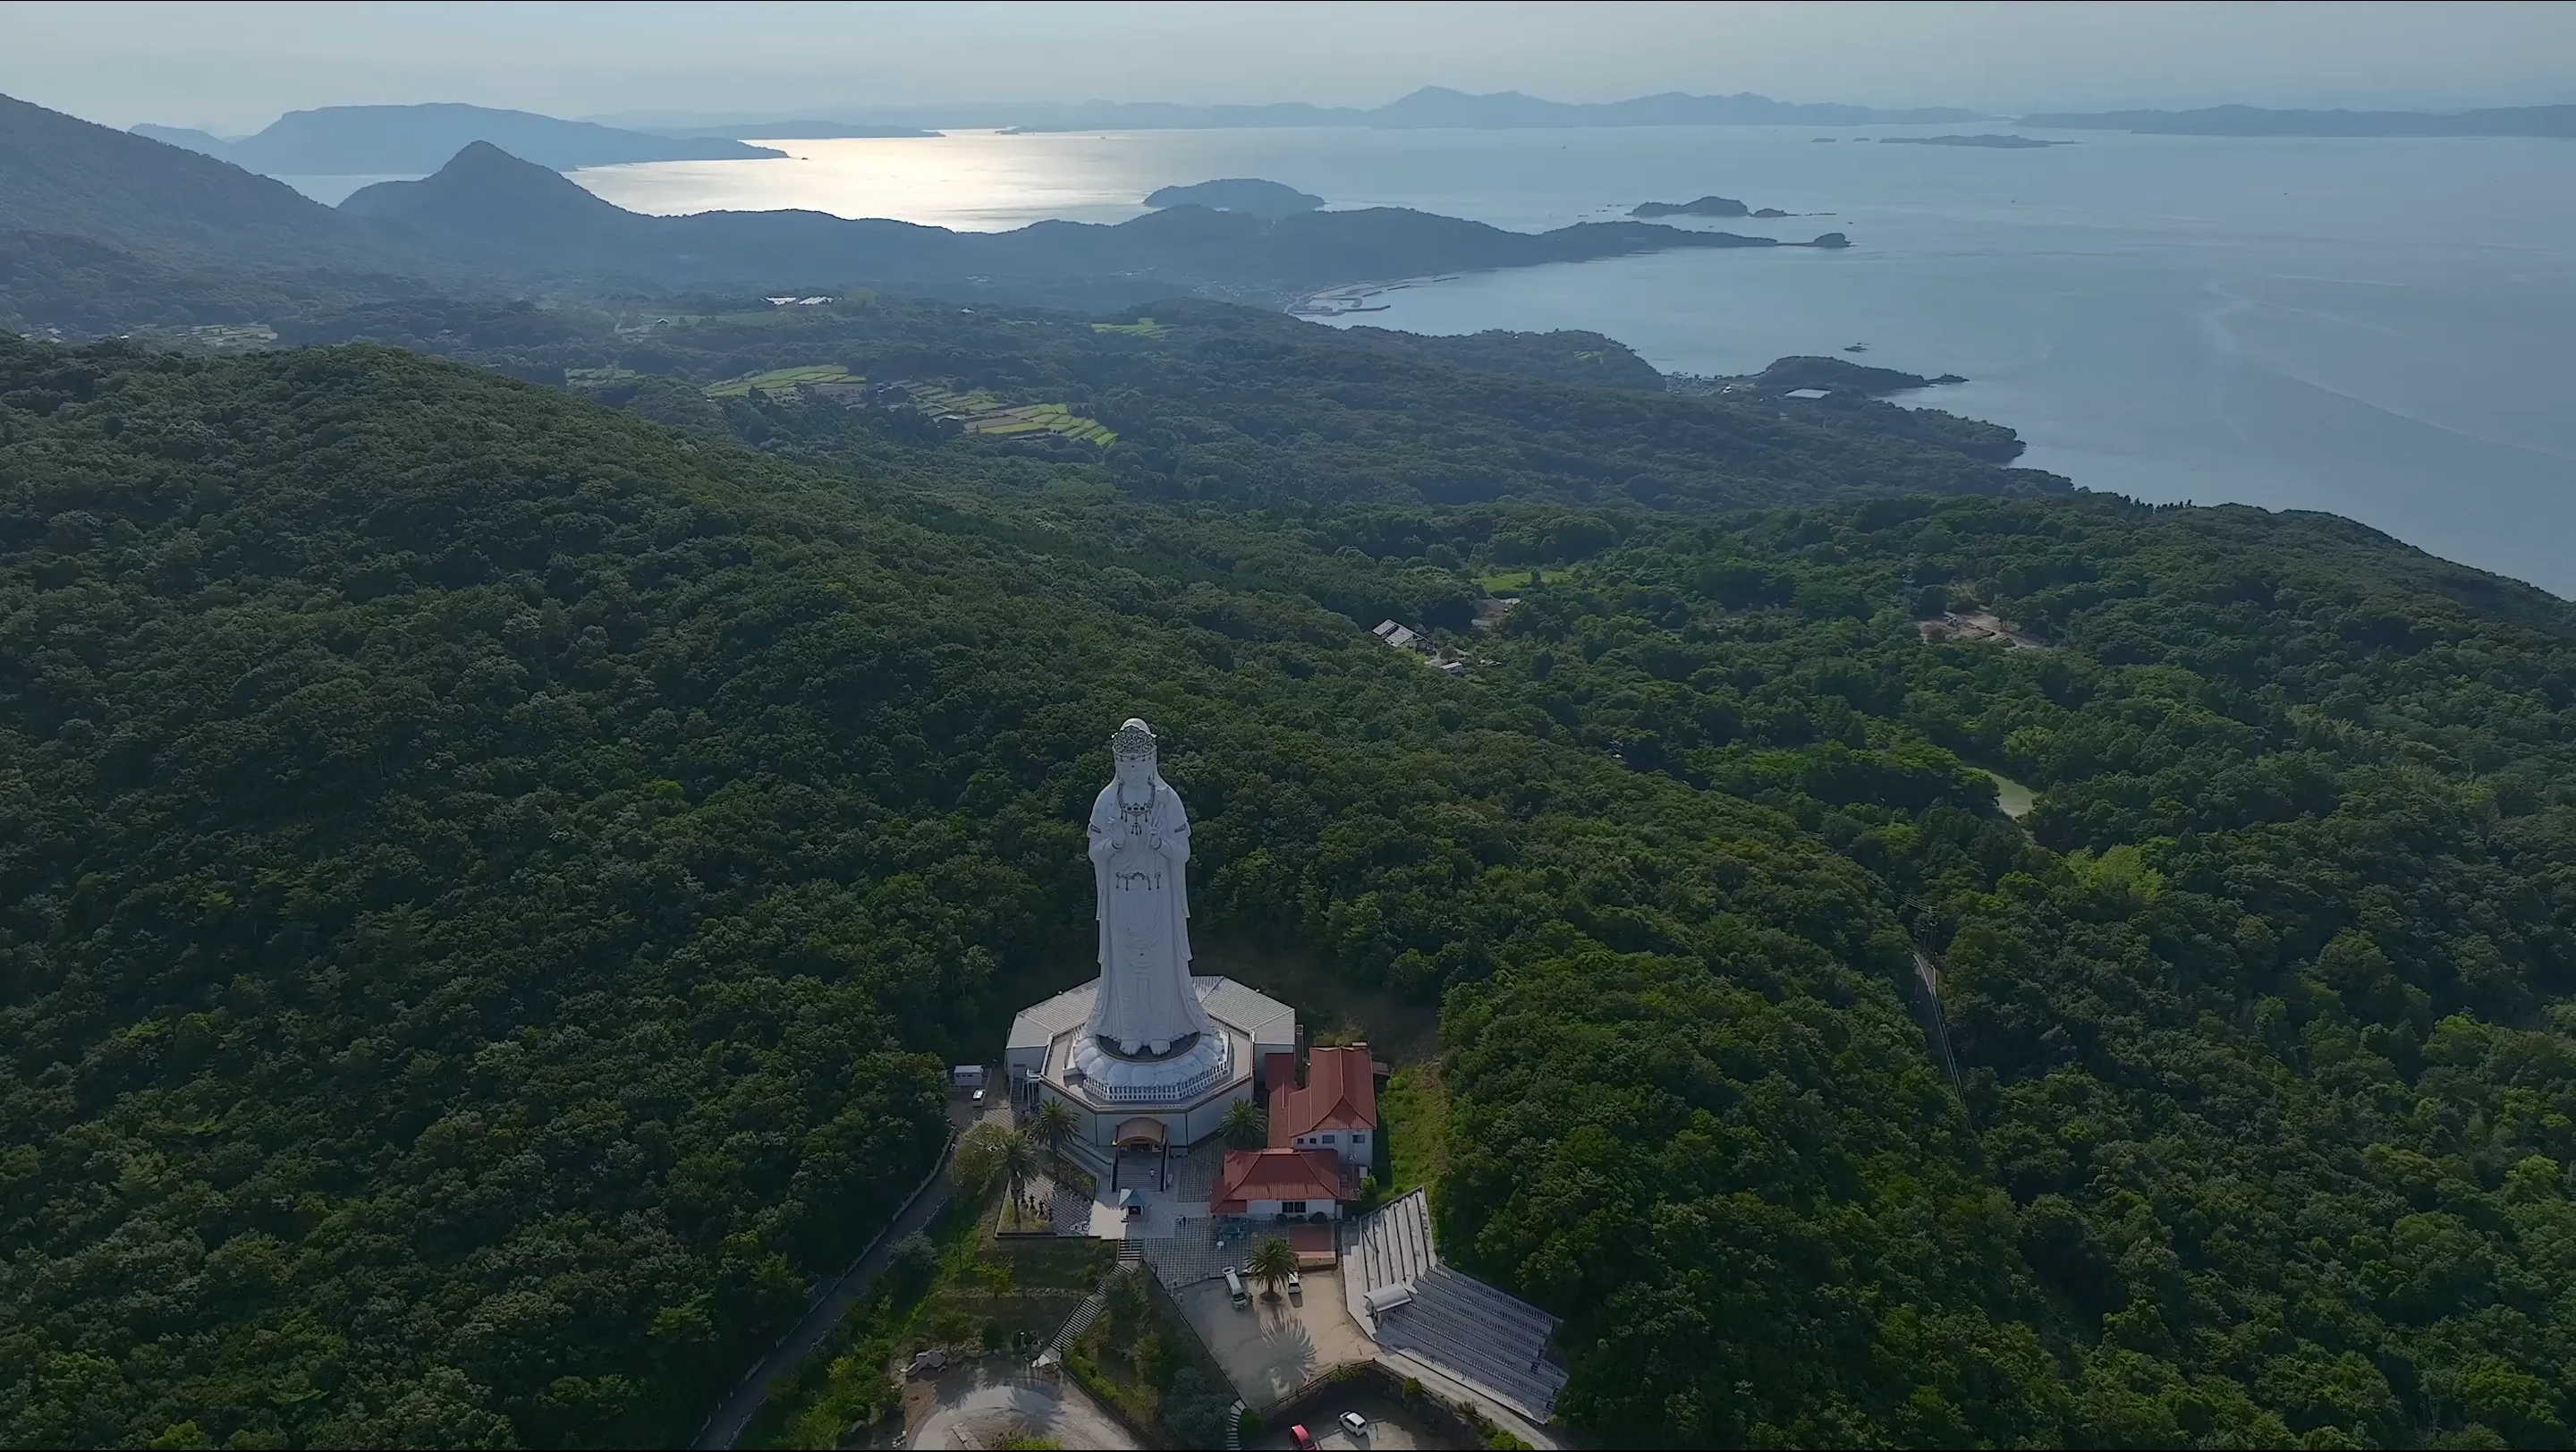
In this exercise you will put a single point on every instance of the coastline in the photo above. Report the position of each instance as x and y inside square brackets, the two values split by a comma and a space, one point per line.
[1353, 297]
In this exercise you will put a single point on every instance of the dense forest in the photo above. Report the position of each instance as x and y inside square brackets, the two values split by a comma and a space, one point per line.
[488, 876]
[1244, 407]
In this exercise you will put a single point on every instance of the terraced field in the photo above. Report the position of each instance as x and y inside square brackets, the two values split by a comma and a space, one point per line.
[1142, 328]
[976, 413]
[597, 377]
[779, 380]
[982, 413]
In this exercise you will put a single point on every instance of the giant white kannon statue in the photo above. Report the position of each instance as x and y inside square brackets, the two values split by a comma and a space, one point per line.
[1147, 1036]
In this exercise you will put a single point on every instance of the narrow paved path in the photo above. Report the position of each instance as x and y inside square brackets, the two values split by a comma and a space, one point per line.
[747, 1397]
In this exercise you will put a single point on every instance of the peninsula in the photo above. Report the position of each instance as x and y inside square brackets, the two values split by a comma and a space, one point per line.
[1990, 141]
[2259, 121]
[802, 131]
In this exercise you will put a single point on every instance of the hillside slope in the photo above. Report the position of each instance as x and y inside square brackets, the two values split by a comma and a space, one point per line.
[488, 884]
[491, 882]
[102, 231]
[64, 175]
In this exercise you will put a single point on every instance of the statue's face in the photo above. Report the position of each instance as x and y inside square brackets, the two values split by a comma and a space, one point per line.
[1135, 774]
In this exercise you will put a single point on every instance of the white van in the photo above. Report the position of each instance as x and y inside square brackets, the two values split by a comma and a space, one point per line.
[1234, 1287]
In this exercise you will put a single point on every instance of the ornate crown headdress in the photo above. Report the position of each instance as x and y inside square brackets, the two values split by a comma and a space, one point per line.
[1133, 741]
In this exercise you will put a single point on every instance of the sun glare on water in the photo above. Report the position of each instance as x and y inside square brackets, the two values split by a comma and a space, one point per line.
[976, 181]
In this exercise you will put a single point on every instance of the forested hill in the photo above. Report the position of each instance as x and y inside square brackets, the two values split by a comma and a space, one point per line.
[486, 204]
[1250, 407]
[63, 175]
[185, 228]
[487, 882]
[104, 232]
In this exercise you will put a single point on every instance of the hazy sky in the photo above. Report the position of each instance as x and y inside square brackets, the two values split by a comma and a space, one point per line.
[236, 66]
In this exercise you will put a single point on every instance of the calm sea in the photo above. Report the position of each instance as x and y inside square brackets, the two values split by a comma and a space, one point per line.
[2379, 328]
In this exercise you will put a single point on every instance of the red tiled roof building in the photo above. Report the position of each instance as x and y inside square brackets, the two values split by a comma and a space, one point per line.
[1270, 1182]
[1321, 1135]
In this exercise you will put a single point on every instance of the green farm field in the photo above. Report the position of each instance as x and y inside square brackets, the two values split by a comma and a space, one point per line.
[778, 380]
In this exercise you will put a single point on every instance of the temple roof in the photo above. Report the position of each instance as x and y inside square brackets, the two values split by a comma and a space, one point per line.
[1339, 1094]
[1259, 1016]
[1276, 1174]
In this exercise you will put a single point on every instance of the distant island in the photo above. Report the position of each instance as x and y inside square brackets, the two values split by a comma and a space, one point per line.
[377, 140]
[1711, 206]
[1238, 194]
[801, 131]
[1431, 106]
[2258, 121]
[500, 215]
[1988, 140]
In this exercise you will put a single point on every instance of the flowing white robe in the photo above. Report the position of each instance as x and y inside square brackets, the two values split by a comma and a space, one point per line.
[1140, 853]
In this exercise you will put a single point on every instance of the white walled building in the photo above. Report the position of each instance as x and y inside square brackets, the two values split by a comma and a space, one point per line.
[1041, 1063]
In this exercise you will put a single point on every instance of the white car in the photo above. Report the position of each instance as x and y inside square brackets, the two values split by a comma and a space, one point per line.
[1355, 1424]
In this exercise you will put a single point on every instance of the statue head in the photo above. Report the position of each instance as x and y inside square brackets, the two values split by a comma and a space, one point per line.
[1133, 753]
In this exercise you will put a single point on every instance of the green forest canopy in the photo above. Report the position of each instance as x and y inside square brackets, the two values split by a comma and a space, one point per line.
[489, 883]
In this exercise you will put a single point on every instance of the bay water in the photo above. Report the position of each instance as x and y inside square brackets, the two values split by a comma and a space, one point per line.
[2379, 328]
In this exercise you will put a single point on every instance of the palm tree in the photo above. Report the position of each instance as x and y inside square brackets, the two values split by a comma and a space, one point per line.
[989, 1153]
[1244, 1126]
[1017, 1158]
[978, 1161]
[1271, 1262]
[1052, 1127]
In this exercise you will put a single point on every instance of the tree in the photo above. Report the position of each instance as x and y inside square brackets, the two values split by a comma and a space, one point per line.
[1052, 1127]
[1194, 1411]
[1129, 1303]
[1272, 1262]
[1245, 1126]
[911, 1264]
[991, 1152]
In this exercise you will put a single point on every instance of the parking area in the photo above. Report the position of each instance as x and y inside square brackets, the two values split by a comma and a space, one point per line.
[1388, 1426]
[1271, 1348]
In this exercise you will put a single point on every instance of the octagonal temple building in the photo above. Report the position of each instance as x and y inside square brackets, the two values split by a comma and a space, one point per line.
[1147, 1053]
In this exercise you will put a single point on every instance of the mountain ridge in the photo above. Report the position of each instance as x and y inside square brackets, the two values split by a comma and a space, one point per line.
[488, 205]
[65, 176]
[370, 140]
[1426, 106]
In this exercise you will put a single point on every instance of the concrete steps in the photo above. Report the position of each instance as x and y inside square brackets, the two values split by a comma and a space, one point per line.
[1454, 1321]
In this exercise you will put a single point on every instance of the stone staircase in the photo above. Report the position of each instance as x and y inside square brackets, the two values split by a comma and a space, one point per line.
[1479, 1333]
[1454, 1322]
[1091, 1307]
[1394, 1244]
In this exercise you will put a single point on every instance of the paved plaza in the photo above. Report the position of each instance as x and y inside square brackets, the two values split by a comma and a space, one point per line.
[1067, 1207]
[1271, 1348]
